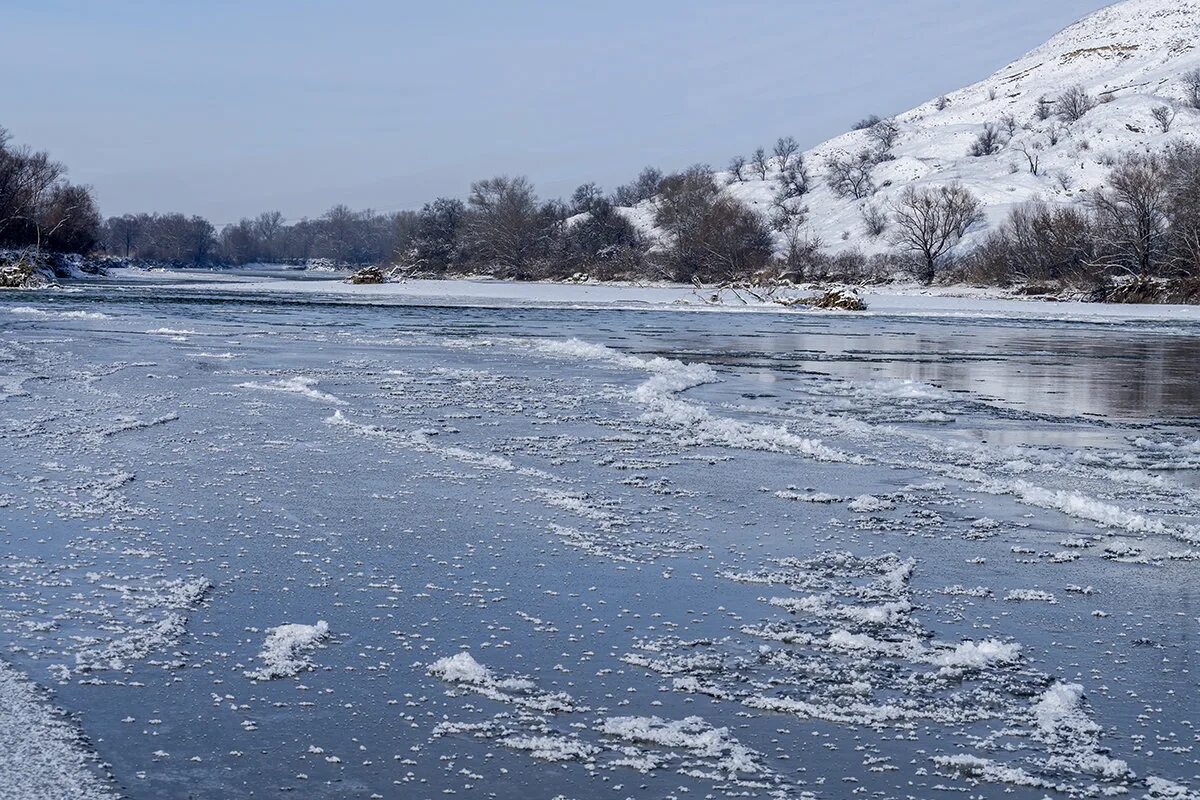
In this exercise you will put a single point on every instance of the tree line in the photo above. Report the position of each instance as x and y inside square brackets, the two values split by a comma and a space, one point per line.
[502, 228]
[1144, 222]
[39, 207]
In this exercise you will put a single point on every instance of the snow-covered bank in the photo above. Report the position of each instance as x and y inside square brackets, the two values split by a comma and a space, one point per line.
[41, 754]
[887, 300]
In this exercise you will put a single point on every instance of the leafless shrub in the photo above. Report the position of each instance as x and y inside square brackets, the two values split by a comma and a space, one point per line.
[1073, 104]
[1164, 116]
[1191, 87]
[1043, 109]
[794, 179]
[866, 122]
[988, 142]
[710, 236]
[643, 188]
[875, 218]
[1036, 244]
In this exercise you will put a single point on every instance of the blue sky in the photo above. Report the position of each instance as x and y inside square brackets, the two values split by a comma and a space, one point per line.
[227, 109]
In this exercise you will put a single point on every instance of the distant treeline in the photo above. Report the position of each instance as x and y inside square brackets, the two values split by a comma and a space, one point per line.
[501, 229]
[1145, 222]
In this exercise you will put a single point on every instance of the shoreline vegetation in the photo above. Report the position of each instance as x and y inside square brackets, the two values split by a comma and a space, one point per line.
[1133, 239]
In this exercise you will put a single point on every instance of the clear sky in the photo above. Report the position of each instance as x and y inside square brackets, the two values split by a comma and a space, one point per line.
[230, 108]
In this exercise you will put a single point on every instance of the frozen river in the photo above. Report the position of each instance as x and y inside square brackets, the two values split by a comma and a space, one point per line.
[264, 545]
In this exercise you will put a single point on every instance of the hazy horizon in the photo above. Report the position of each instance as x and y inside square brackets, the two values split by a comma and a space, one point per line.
[227, 112]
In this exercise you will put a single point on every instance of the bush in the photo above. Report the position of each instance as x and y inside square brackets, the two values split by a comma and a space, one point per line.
[1073, 104]
[988, 142]
[711, 237]
[867, 122]
[850, 177]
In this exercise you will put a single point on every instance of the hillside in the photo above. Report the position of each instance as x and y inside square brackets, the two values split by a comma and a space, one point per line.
[1130, 58]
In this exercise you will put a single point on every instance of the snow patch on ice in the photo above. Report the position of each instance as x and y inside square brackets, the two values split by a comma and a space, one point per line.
[304, 386]
[42, 755]
[287, 650]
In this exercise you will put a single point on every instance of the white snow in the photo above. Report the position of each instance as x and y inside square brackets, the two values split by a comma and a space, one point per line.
[1132, 54]
[29, 311]
[692, 734]
[1030, 595]
[42, 756]
[866, 503]
[287, 650]
[692, 421]
[890, 300]
[1062, 723]
[978, 654]
[300, 385]
[465, 672]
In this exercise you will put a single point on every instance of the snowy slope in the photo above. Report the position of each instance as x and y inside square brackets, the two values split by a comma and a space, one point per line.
[1131, 55]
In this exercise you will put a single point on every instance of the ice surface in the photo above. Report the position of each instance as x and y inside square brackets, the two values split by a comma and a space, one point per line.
[737, 555]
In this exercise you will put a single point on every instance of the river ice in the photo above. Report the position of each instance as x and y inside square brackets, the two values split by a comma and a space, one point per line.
[263, 545]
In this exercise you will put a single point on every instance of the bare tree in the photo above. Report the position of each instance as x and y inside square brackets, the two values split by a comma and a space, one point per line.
[790, 222]
[785, 150]
[710, 235]
[643, 188]
[794, 180]
[851, 176]
[884, 134]
[1073, 103]
[930, 222]
[1033, 156]
[943, 103]
[1164, 116]
[736, 165]
[1183, 188]
[503, 227]
[1191, 87]
[122, 235]
[759, 163]
[584, 197]
[1044, 109]
[1009, 123]
[1132, 214]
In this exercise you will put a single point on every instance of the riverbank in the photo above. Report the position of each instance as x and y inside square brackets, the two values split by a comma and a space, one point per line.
[889, 299]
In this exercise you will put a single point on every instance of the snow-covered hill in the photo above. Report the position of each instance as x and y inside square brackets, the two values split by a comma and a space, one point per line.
[1130, 58]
